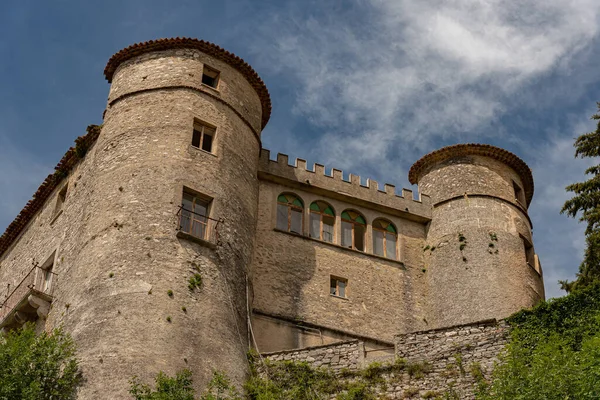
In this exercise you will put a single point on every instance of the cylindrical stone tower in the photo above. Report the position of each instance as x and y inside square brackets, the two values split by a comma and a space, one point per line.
[161, 288]
[481, 262]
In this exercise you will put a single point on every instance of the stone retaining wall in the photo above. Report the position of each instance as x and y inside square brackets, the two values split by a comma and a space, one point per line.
[336, 356]
[441, 363]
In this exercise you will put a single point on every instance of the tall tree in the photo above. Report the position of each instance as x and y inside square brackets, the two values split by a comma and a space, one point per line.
[587, 202]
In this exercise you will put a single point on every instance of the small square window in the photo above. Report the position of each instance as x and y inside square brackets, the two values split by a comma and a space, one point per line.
[338, 286]
[203, 136]
[210, 77]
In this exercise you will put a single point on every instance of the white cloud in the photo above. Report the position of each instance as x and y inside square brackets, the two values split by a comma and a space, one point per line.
[412, 72]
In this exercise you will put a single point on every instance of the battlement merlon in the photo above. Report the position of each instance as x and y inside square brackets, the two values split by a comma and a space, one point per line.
[334, 186]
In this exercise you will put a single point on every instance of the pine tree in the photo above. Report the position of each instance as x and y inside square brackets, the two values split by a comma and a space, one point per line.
[587, 202]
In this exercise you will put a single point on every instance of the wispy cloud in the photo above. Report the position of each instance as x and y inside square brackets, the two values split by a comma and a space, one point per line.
[413, 72]
[385, 81]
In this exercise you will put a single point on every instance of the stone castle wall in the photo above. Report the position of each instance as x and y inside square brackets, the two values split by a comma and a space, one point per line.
[117, 251]
[117, 247]
[474, 197]
[447, 361]
[336, 356]
[291, 272]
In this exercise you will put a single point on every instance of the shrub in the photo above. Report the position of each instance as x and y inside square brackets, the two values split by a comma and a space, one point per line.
[37, 367]
[166, 387]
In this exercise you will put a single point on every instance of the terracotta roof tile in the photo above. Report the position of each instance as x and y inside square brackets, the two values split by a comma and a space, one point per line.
[206, 47]
[421, 166]
[62, 169]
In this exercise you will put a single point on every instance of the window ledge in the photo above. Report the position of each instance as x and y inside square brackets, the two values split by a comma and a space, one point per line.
[400, 265]
[55, 217]
[192, 238]
[204, 86]
[198, 149]
[339, 297]
[533, 268]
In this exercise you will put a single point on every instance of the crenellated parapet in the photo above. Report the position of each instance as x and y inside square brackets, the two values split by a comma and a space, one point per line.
[335, 186]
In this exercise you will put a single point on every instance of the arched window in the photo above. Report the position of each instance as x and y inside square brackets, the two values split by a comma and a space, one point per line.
[353, 230]
[322, 218]
[384, 239]
[289, 213]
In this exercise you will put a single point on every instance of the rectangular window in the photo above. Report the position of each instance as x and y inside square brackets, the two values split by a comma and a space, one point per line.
[328, 228]
[282, 217]
[48, 278]
[203, 136]
[194, 215]
[378, 242]
[359, 237]
[210, 77]
[296, 221]
[346, 234]
[337, 286]
[315, 226]
[390, 244]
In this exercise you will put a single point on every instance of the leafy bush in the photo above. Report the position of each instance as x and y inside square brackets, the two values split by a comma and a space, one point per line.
[166, 387]
[554, 351]
[37, 367]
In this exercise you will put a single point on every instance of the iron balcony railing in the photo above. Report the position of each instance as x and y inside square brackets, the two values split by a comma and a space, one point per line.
[198, 225]
[38, 282]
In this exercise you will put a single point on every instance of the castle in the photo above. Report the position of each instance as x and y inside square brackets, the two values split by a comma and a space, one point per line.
[168, 238]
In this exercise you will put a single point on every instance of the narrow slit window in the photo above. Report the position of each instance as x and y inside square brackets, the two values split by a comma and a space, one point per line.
[518, 193]
[289, 213]
[210, 77]
[203, 137]
[322, 218]
[353, 230]
[385, 238]
[338, 286]
[48, 278]
[60, 200]
[529, 252]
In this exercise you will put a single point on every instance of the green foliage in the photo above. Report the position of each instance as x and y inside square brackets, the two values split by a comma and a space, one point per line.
[299, 380]
[166, 387]
[357, 391]
[220, 388]
[554, 351]
[291, 380]
[586, 202]
[195, 281]
[459, 363]
[37, 367]
[418, 369]
[170, 293]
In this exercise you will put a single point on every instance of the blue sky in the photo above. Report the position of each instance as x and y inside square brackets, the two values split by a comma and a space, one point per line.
[368, 86]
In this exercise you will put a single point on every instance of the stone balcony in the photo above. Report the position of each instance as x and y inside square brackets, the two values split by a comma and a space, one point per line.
[29, 300]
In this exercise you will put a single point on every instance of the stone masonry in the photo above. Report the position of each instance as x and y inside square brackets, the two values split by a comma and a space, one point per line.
[103, 249]
[453, 358]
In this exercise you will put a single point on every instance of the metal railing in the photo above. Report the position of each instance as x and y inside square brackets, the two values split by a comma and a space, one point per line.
[198, 225]
[37, 281]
